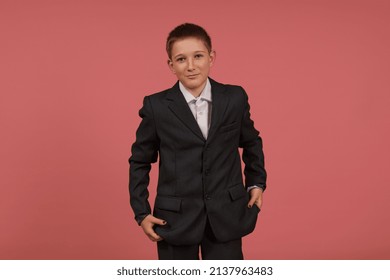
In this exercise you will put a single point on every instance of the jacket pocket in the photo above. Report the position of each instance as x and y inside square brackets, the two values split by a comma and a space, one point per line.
[228, 127]
[257, 208]
[168, 203]
[237, 192]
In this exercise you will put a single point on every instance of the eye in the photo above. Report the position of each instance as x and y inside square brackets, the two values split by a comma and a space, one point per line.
[198, 55]
[180, 59]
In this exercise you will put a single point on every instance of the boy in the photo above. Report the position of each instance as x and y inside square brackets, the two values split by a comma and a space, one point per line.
[196, 128]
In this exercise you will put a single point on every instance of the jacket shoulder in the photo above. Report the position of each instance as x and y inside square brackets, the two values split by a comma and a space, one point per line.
[227, 87]
[234, 88]
[158, 95]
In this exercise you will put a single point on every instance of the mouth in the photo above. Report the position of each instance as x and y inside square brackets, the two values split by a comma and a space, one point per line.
[192, 76]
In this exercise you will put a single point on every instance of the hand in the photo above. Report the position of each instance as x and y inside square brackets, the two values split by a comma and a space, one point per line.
[256, 197]
[147, 225]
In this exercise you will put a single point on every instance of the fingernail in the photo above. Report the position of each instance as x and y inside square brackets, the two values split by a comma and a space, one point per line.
[249, 206]
[164, 222]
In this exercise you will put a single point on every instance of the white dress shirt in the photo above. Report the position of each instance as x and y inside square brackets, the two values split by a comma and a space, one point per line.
[200, 106]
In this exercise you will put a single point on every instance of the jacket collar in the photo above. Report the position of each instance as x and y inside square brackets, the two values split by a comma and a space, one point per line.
[180, 108]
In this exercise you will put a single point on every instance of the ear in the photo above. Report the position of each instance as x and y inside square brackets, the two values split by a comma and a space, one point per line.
[170, 65]
[213, 57]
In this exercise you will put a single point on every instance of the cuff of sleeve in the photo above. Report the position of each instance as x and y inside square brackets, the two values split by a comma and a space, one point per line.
[140, 218]
[262, 187]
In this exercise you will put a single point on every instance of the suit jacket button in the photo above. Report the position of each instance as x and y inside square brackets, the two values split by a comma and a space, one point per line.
[207, 197]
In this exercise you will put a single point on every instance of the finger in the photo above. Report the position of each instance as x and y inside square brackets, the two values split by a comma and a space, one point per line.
[157, 221]
[259, 202]
[154, 236]
[155, 240]
[256, 195]
[252, 201]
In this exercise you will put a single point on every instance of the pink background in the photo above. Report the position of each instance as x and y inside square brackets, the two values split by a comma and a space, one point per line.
[72, 78]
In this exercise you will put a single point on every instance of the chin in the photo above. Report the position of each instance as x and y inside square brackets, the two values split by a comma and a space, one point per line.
[191, 85]
[194, 83]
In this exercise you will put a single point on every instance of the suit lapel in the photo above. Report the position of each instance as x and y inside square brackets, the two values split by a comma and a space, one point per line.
[180, 108]
[219, 105]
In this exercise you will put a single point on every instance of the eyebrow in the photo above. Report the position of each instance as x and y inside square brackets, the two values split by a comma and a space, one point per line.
[180, 54]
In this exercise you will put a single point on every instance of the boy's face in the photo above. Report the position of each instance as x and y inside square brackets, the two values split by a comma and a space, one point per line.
[190, 62]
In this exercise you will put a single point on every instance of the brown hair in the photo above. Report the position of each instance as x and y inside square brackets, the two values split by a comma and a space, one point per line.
[186, 30]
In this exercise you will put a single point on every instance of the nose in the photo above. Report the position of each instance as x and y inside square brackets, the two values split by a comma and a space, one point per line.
[190, 65]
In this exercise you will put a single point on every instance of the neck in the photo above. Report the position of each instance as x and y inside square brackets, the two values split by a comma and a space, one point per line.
[197, 91]
[195, 94]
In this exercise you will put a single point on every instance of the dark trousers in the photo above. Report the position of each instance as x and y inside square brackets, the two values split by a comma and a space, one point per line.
[210, 249]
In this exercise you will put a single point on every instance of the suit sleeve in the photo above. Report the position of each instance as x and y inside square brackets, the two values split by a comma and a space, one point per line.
[252, 154]
[143, 153]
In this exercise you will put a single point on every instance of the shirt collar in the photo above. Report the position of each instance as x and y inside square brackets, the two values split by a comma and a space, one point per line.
[205, 94]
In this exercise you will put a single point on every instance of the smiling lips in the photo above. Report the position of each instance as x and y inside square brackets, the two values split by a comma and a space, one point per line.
[192, 76]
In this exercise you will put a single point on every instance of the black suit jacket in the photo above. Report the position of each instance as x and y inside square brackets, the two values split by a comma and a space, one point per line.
[198, 179]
